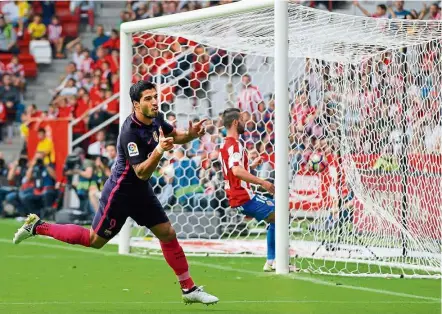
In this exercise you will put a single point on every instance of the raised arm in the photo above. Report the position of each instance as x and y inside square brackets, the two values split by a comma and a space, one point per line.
[360, 7]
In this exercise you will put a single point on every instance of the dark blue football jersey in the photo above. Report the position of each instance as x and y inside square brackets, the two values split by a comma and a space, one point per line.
[135, 143]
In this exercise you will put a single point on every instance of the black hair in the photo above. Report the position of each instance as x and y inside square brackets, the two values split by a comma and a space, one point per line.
[111, 143]
[230, 115]
[41, 130]
[383, 7]
[138, 88]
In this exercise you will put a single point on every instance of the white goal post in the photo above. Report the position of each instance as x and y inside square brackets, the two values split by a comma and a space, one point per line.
[361, 91]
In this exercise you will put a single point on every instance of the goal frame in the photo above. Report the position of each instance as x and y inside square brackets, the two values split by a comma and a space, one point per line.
[281, 101]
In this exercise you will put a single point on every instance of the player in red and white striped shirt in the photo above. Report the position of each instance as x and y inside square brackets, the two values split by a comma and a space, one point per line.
[250, 96]
[237, 176]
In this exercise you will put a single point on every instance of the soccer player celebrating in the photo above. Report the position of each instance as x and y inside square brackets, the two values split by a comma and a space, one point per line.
[128, 193]
[236, 170]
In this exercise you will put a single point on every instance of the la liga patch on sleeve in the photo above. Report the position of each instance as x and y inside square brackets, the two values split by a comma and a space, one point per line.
[236, 157]
[132, 148]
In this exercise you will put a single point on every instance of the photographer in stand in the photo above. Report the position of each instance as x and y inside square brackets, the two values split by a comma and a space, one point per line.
[18, 186]
[102, 172]
[77, 164]
[44, 194]
[4, 184]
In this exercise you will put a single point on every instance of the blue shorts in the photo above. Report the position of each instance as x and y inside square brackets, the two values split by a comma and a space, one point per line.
[259, 207]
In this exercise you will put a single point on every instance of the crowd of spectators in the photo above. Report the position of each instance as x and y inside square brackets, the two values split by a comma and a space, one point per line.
[190, 177]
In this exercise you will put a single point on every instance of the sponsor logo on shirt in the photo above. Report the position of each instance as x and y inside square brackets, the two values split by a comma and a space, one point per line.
[132, 149]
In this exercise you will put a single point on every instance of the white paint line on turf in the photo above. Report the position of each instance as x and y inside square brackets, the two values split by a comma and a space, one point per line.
[231, 269]
[225, 302]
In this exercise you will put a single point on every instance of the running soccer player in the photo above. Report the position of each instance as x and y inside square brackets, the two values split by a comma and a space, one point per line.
[236, 170]
[128, 193]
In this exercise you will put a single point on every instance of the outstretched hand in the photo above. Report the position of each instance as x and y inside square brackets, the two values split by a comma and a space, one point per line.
[197, 129]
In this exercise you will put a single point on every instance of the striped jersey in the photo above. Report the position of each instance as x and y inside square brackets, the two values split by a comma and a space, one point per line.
[249, 99]
[233, 154]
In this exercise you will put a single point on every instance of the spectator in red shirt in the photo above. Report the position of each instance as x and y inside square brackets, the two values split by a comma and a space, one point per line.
[65, 108]
[113, 42]
[115, 82]
[114, 60]
[112, 106]
[3, 117]
[80, 111]
[101, 54]
[94, 92]
[97, 101]
[33, 112]
[17, 72]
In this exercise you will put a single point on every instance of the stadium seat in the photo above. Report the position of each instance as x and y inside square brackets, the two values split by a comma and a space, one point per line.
[70, 29]
[26, 59]
[23, 57]
[36, 7]
[62, 9]
[41, 50]
[23, 43]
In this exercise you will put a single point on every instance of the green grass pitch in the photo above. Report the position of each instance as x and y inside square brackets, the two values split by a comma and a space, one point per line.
[45, 276]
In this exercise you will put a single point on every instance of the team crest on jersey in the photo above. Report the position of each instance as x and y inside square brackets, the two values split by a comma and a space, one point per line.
[270, 203]
[132, 148]
[155, 136]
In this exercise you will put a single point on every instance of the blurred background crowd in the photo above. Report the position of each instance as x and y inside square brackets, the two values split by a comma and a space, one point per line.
[190, 177]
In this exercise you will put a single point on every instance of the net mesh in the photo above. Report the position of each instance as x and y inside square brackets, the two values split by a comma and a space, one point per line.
[365, 136]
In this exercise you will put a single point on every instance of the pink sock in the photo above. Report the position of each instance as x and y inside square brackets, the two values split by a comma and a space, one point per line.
[71, 234]
[175, 257]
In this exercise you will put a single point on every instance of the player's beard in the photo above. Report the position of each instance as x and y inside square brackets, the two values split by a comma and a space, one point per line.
[149, 114]
[240, 128]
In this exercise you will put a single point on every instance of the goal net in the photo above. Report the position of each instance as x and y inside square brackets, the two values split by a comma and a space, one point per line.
[365, 95]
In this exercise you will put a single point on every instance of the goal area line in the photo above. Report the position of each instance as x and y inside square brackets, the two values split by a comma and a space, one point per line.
[298, 249]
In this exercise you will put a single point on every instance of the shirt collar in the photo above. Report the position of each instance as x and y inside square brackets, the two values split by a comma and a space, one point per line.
[140, 124]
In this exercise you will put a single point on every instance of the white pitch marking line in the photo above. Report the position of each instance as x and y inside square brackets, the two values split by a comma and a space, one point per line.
[221, 267]
[225, 302]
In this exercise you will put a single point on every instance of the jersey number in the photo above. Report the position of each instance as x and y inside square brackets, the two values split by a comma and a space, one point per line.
[261, 199]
